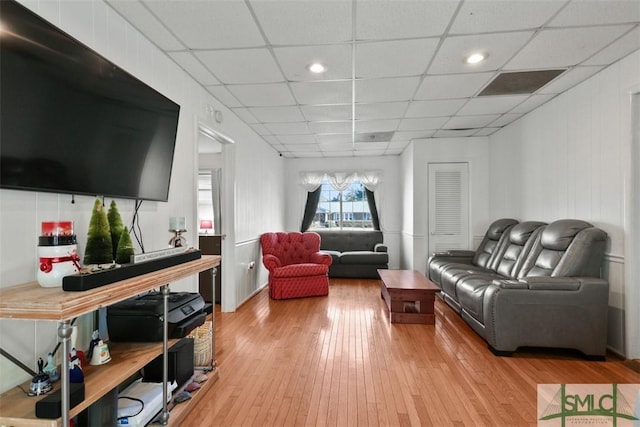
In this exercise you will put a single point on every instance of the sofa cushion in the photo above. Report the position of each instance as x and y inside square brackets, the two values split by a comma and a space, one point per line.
[364, 257]
[335, 255]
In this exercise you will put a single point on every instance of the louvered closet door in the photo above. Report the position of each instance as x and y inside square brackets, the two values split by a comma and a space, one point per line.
[448, 206]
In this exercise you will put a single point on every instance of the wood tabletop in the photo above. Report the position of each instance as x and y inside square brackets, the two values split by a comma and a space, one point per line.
[406, 279]
[32, 301]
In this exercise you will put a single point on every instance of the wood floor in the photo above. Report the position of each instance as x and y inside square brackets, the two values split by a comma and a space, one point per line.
[338, 361]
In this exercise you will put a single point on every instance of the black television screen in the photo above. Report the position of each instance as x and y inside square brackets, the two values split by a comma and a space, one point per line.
[73, 122]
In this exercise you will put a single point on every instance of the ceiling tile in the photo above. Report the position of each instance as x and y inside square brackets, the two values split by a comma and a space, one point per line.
[472, 122]
[378, 20]
[491, 104]
[262, 95]
[384, 90]
[499, 47]
[208, 24]
[260, 129]
[454, 133]
[338, 139]
[564, 47]
[301, 148]
[244, 115]
[569, 79]
[188, 62]
[371, 145]
[382, 110]
[452, 86]
[532, 103]
[493, 16]
[368, 153]
[394, 58]
[505, 119]
[295, 61]
[401, 137]
[618, 49]
[241, 65]
[296, 139]
[140, 17]
[271, 139]
[322, 92]
[338, 153]
[598, 13]
[398, 145]
[336, 145]
[223, 95]
[337, 127]
[428, 123]
[376, 125]
[277, 114]
[318, 113]
[304, 22]
[294, 128]
[438, 108]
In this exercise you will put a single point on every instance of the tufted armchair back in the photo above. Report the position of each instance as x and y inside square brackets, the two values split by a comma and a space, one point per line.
[292, 247]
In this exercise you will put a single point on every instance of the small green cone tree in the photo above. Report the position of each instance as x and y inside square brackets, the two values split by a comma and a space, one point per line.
[116, 226]
[125, 248]
[99, 249]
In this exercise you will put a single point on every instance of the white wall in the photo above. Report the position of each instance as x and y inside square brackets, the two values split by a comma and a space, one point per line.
[388, 196]
[99, 27]
[473, 151]
[570, 159]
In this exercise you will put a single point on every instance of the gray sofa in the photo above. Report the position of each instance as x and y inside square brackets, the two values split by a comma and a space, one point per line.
[357, 254]
[530, 284]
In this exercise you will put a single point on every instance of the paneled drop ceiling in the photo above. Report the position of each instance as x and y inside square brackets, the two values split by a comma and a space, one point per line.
[395, 69]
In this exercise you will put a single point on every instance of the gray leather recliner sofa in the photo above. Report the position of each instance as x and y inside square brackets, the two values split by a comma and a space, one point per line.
[542, 288]
[356, 254]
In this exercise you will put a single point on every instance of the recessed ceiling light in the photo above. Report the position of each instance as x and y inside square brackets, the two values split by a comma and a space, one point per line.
[317, 68]
[475, 58]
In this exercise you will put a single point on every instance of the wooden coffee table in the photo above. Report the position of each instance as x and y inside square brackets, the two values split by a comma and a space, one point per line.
[409, 296]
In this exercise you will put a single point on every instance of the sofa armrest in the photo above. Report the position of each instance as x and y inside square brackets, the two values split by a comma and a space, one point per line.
[456, 253]
[380, 247]
[509, 284]
[547, 312]
[271, 262]
[321, 258]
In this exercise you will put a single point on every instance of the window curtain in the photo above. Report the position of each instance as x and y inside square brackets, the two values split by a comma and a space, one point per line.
[370, 180]
[313, 197]
[310, 181]
[340, 180]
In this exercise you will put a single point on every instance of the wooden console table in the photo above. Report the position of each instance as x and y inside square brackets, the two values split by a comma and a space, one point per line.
[30, 301]
[409, 296]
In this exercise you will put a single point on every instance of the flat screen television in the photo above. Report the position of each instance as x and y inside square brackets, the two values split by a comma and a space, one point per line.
[73, 122]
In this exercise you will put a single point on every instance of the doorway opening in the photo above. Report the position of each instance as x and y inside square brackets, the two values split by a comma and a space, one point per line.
[215, 212]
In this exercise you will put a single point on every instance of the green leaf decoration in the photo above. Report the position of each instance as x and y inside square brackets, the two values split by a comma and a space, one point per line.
[125, 248]
[99, 248]
[116, 226]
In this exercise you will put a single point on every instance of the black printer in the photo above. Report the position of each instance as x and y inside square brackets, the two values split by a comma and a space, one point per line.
[139, 319]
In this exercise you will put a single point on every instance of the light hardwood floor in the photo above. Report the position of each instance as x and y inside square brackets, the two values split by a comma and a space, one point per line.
[338, 361]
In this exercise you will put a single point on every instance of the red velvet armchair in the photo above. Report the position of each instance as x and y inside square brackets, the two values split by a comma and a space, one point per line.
[296, 266]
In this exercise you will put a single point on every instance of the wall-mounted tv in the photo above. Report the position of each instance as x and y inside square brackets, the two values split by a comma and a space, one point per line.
[73, 122]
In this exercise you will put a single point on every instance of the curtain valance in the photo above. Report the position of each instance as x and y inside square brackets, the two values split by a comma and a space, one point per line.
[310, 181]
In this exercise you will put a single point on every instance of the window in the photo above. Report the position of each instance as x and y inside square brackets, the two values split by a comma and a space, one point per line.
[344, 210]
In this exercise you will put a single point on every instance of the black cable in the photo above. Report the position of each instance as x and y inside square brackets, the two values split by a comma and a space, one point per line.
[135, 225]
[135, 399]
[18, 363]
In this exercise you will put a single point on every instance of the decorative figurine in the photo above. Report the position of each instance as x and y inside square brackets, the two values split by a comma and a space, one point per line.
[75, 369]
[95, 339]
[100, 354]
[41, 383]
[51, 369]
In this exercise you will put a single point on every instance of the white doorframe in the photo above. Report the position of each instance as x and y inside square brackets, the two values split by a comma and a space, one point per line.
[228, 196]
[632, 237]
